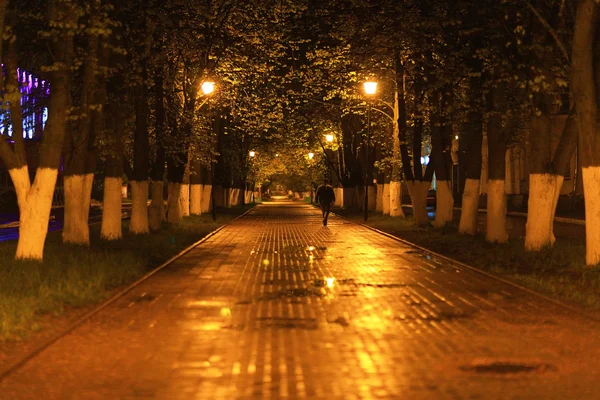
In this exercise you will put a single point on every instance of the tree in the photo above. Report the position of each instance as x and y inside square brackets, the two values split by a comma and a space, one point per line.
[35, 198]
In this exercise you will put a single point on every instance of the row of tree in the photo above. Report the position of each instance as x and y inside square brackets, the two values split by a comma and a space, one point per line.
[510, 71]
[125, 98]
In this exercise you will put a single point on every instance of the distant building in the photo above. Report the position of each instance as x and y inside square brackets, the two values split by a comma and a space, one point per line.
[35, 93]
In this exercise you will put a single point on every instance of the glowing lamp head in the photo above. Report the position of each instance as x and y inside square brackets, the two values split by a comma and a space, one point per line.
[370, 87]
[252, 154]
[329, 138]
[208, 87]
[311, 155]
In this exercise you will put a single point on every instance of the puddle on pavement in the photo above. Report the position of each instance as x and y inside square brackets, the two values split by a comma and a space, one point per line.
[291, 293]
[507, 367]
[288, 323]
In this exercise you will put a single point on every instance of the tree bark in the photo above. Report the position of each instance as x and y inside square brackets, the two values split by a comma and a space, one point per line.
[584, 94]
[473, 134]
[139, 223]
[496, 205]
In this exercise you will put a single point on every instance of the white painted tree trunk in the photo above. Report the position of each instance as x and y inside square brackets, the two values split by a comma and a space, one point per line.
[76, 228]
[496, 212]
[195, 199]
[591, 183]
[470, 208]
[379, 204]
[386, 199]
[339, 197]
[111, 209]
[544, 190]
[184, 199]
[35, 202]
[206, 198]
[139, 210]
[418, 197]
[395, 196]
[444, 204]
[157, 206]
[173, 203]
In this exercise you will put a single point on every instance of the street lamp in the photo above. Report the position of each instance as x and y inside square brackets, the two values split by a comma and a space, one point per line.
[329, 138]
[208, 87]
[311, 155]
[252, 154]
[370, 89]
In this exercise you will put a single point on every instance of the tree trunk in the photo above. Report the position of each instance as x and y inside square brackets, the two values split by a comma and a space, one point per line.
[584, 95]
[34, 210]
[379, 198]
[473, 135]
[418, 197]
[35, 200]
[111, 212]
[77, 205]
[173, 203]
[496, 198]
[395, 189]
[184, 199]
[157, 172]
[469, 208]
[395, 199]
[139, 208]
[195, 186]
[386, 199]
[156, 211]
[207, 187]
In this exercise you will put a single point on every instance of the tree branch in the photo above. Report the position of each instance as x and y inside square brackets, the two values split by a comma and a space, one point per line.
[551, 31]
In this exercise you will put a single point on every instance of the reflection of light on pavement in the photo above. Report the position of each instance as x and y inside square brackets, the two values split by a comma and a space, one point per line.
[225, 312]
[236, 368]
[310, 258]
[366, 363]
[208, 326]
[266, 262]
[330, 282]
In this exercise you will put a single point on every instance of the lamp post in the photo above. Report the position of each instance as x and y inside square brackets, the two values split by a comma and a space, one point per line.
[370, 89]
[310, 157]
[208, 87]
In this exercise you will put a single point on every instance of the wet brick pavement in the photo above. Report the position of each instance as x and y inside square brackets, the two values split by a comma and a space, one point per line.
[277, 306]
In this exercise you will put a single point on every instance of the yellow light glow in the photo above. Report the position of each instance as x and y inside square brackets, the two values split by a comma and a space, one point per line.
[266, 262]
[329, 138]
[330, 282]
[225, 312]
[208, 87]
[311, 248]
[456, 137]
[311, 155]
[276, 155]
[252, 154]
[370, 87]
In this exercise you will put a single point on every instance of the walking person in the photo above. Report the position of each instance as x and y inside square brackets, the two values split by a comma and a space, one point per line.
[325, 196]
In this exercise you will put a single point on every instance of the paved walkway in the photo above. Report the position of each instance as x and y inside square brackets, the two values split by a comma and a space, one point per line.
[278, 306]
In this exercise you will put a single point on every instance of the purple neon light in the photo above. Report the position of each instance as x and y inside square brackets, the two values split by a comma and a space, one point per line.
[27, 85]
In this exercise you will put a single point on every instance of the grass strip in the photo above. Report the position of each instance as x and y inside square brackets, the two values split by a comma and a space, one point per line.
[78, 276]
[559, 272]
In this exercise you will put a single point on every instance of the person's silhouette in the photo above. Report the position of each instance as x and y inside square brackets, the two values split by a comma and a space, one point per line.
[325, 196]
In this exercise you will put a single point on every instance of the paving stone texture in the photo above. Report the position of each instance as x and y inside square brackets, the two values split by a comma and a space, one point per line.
[277, 306]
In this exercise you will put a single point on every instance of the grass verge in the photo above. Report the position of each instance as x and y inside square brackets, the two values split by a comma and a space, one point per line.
[75, 276]
[559, 272]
